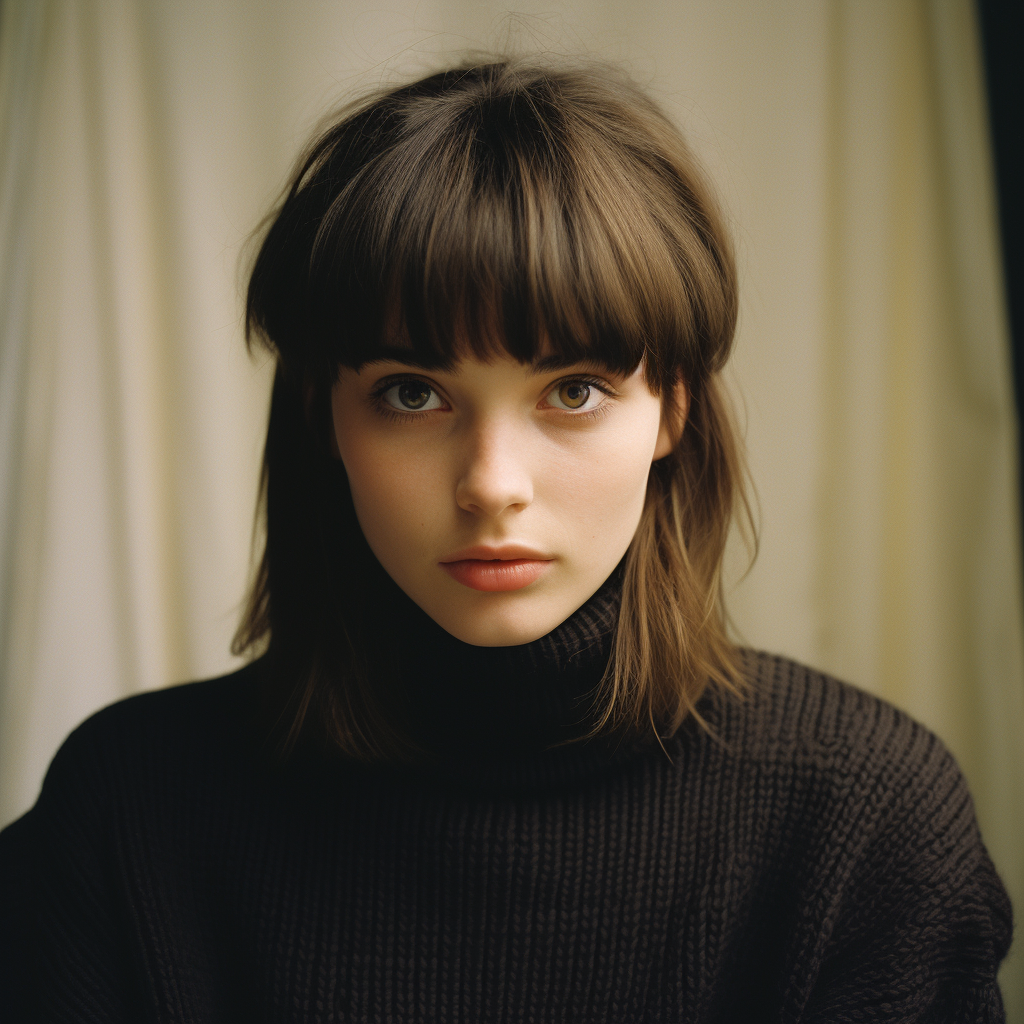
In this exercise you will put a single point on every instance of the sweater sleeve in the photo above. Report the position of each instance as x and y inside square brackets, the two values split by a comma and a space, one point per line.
[18, 941]
[61, 941]
[918, 927]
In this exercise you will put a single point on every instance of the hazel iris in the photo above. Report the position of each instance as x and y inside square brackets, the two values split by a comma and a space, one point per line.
[574, 395]
[414, 394]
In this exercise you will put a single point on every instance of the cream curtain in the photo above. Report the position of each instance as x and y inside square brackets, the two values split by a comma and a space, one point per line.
[142, 141]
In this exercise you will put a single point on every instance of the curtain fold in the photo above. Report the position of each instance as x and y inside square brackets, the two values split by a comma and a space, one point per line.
[920, 577]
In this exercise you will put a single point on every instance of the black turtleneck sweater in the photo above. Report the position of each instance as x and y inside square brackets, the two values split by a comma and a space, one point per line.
[813, 858]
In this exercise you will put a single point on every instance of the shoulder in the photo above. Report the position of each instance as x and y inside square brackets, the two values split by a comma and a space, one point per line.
[869, 799]
[879, 838]
[845, 777]
[151, 734]
[183, 708]
[113, 799]
[181, 703]
[136, 757]
[809, 721]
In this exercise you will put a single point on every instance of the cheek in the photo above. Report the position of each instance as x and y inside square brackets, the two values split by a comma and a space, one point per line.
[602, 491]
[391, 491]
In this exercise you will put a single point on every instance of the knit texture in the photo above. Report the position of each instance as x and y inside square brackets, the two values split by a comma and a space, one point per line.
[813, 858]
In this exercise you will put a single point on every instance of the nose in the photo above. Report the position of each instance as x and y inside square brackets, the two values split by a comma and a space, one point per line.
[495, 477]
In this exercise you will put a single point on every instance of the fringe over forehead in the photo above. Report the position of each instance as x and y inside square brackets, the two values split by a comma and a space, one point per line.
[543, 212]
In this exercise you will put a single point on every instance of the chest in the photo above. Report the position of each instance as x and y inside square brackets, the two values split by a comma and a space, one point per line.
[604, 903]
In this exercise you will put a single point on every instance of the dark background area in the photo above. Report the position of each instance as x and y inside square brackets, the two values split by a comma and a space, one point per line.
[1001, 22]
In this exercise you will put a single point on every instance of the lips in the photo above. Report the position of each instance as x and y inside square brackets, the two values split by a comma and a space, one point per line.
[508, 567]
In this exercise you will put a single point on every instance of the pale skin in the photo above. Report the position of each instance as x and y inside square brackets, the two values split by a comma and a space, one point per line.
[499, 496]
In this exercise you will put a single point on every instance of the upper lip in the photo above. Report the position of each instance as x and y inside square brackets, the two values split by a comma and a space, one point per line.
[503, 552]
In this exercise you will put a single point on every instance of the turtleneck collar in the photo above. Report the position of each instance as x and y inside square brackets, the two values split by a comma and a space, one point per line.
[504, 715]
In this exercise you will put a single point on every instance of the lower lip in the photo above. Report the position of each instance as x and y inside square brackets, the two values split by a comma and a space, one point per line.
[496, 574]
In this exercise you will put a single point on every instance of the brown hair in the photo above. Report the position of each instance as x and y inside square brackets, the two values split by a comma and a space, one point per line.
[502, 206]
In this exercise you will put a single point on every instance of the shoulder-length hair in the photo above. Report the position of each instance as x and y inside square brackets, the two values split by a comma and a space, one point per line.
[503, 207]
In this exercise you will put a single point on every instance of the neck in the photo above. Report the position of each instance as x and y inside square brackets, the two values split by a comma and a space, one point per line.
[475, 709]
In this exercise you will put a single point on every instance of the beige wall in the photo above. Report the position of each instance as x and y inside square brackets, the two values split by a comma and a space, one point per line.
[142, 140]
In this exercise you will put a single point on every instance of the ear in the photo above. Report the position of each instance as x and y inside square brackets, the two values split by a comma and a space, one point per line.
[674, 408]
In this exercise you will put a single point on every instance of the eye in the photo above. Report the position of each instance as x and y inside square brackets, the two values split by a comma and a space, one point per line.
[576, 396]
[412, 396]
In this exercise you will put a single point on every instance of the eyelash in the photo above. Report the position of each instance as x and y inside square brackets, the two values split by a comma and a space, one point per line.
[390, 412]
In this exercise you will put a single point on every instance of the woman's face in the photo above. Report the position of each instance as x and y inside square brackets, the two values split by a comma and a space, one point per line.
[499, 496]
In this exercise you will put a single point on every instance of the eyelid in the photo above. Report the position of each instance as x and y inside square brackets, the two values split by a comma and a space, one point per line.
[593, 379]
[387, 383]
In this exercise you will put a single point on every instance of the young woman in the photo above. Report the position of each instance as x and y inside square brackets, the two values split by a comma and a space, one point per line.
[495, 758]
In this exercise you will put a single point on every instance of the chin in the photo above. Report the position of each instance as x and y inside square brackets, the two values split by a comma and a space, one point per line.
[507, 626]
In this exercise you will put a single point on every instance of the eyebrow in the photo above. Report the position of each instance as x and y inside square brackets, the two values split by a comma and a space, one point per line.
[548, 364]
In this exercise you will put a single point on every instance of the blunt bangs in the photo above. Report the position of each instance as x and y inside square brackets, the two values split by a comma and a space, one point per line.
[497, 209]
